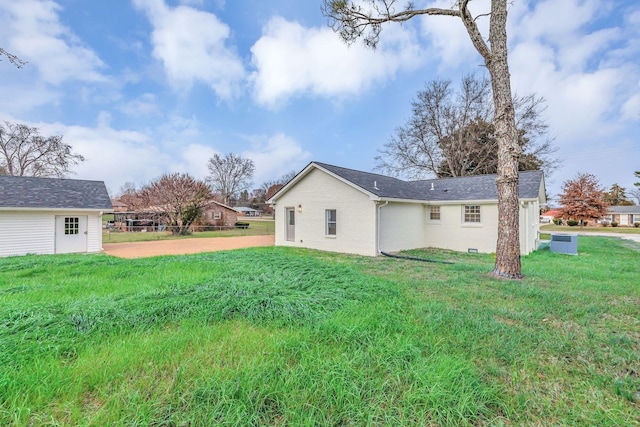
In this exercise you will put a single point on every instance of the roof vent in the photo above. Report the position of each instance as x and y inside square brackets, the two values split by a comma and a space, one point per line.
[432, 187]
[375, 185]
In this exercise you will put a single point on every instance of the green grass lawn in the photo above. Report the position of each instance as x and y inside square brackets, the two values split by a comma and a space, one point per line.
[282, 336]
[256, 228]
[612, 230]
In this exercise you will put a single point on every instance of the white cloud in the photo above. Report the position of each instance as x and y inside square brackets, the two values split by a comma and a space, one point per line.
[192, 47]
[292, 60]
[275, 156]
[448, 38]
[32, 30]
[195, 158]
[144, 105]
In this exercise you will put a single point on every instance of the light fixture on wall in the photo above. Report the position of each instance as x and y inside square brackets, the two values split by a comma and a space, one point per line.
[300, 208]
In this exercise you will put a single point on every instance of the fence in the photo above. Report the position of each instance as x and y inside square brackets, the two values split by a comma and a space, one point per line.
[132, 233]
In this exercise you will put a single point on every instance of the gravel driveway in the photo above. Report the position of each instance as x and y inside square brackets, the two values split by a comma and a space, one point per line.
[184, 246]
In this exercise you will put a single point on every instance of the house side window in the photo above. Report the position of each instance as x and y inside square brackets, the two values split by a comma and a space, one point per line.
[434, 213]
[472, 213]
[331, 223]
[216, 215]
[71, 225]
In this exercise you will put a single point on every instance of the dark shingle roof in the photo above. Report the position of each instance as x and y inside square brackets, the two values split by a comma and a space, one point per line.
[52, 193]
[624, 209]
[478, 187]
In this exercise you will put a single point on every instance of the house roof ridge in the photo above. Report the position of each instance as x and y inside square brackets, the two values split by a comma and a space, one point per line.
[359, 171]
[48, 178]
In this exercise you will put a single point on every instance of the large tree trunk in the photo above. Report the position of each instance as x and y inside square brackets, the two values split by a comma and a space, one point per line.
[508, 246]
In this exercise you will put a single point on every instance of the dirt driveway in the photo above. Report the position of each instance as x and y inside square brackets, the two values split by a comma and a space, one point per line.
[184, 246]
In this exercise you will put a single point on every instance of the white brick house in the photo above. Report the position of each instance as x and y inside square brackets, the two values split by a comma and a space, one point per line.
[337, 209]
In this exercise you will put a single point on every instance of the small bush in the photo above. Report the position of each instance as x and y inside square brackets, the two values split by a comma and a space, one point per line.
[636, 224]
[605, 224]
[572, 223]
[614, 224]
[557, 221]
[585, 223]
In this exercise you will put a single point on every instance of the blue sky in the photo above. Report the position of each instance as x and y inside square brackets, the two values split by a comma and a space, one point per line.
[142, 87]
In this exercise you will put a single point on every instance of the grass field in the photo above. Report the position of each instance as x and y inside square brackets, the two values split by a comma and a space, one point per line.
[282, 336]
[612, 230]
[256, 228]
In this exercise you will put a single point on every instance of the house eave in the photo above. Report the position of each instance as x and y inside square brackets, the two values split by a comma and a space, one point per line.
[13, 209]
[445, 202]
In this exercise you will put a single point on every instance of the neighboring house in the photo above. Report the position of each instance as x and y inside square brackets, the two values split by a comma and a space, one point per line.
[119, 205]
[549, 216]
[220, 215]
[51, 215]
[343, 210]
[245, 211]
[623, 215]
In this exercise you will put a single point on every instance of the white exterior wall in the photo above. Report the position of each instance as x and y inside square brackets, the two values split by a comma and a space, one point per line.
[316, 192]
[24, 233]
[94, 227]
[402, 226]
[529, 226]
[451, 233]
[33, 232]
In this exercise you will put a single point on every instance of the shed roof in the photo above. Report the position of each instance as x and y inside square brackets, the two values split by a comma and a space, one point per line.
[477, 187]
[52, 193]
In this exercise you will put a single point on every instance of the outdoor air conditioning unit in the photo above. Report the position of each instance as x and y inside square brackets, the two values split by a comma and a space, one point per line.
[564, 243]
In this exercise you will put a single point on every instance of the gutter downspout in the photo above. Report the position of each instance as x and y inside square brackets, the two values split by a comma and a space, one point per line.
[378, 225]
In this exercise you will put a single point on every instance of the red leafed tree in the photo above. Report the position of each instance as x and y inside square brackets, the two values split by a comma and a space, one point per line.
[583, 198]
[177, 198]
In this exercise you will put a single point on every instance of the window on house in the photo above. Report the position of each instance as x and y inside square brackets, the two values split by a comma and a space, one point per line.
[330, 229]
[71, 225]
[216, 215]
[472, 213]
[434, 213]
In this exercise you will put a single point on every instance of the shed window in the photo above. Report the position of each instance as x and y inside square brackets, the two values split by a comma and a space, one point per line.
[216, 215]
[472, 213]
[330, 229]
[71, 225]
[434, 213]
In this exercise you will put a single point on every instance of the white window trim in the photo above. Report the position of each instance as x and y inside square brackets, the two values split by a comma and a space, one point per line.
[326, 223]
[471, 224]
[437, 221]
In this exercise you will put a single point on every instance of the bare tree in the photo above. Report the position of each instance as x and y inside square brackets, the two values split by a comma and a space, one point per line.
[178, 198]
[354, 19]
[230, 174]
[583, 198]
[24, 152]
[19, 63]
[450, 133]
[281, 181]
[635, 193]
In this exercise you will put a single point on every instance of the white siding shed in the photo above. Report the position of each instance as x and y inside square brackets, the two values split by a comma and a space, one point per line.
[50, 215]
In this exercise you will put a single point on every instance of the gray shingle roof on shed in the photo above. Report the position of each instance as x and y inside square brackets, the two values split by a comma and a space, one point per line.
[52, 193]
[477, 187]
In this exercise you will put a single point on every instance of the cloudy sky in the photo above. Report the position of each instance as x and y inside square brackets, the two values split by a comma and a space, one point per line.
[142, 87]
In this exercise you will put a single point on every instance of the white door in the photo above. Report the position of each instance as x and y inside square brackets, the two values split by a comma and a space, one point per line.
[624, 219]
[290, 214]
[71, 233]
